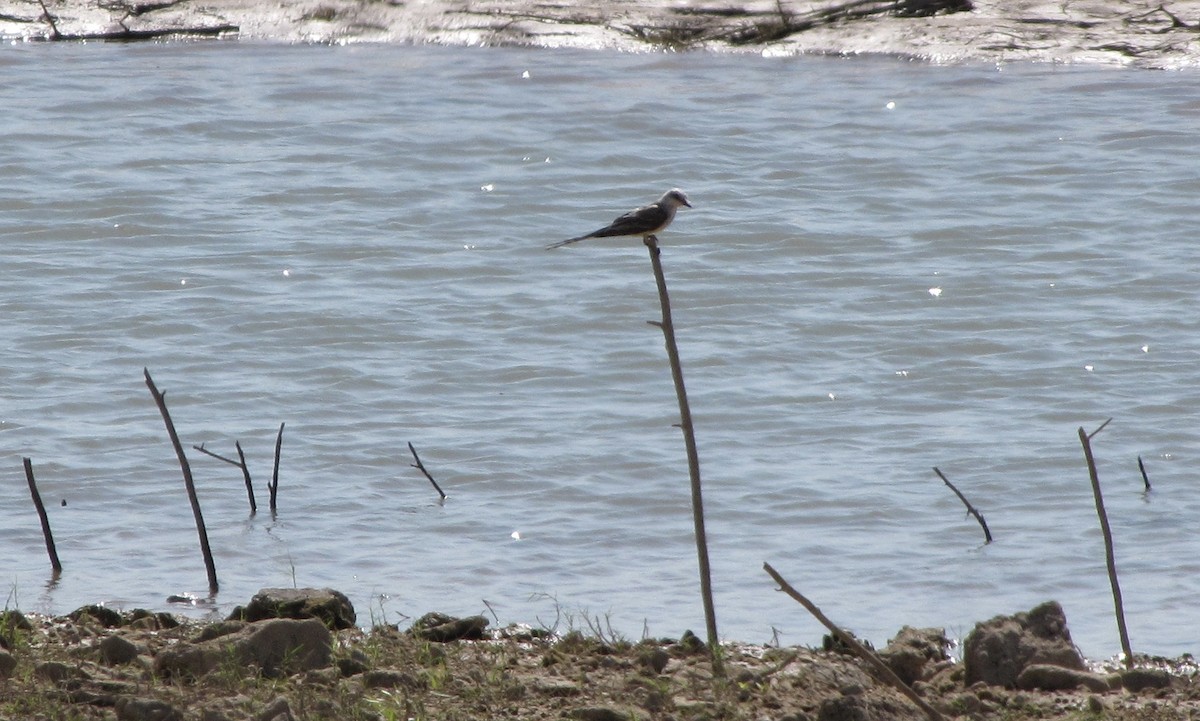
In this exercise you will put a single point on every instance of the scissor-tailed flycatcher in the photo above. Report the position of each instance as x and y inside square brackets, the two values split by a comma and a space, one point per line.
[643, 221]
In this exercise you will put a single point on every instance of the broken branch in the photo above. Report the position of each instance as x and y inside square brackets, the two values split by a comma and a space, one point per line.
[970, 509]
[421, 467]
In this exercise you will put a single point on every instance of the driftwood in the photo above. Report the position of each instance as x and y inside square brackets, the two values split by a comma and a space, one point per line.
[970, 509]
[127, 34]
[160, 399]
[1086, 439]
[1145, 478]
[41, 511]
[421, 467]
[693, 456]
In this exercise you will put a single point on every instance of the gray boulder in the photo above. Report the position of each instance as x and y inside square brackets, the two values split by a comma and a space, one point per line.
[997, 651]
[913, 650]
[330, 606]
[115, 650]
[277, 647]
[1046, 677]
[146, 709]
[7, 665]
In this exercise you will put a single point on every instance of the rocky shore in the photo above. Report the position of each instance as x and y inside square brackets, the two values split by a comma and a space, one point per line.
[1145, 33]
[292, 654]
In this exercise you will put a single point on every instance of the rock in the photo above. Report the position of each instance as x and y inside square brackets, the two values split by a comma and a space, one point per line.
[285, 646]
[599, 713]
[1047, 677]
[913, 650]
[330, 606]
[115, 651]
[690, 643]
[352, 666]
[997, 651]
[654, 659]
[277, 647]
[187, 661]
[219, 629]
[7, 664]
[843, 708]
[391, 679]
[100, 614]
[59, 673]
[12, 621]
[443, 629]
[1140, 679]
[277, 710]
[140, 618]
[146, 709]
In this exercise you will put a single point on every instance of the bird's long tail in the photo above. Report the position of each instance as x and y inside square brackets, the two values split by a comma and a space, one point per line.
[568, 241]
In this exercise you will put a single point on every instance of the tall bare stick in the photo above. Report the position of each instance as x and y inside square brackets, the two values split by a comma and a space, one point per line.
[970, 509]
[1086, 439]
[693, 457]
[274, 487]
[161, 401]
[863, 652]
[421, 467]
[41, 511]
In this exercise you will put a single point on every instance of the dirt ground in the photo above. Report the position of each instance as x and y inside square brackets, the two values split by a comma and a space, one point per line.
[1143, 33]
[89, 668]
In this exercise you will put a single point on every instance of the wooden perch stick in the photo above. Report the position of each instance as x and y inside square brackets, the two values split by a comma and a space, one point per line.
[1086, 439]
[240, 463]
[274, 487]
[863, 652]
[1145, 478]
[970, 509]
[41, 511]
[421, 467]
[161, 401]
[693, 456]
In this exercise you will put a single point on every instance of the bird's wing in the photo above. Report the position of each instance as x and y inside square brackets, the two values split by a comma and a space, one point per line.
[647, 219]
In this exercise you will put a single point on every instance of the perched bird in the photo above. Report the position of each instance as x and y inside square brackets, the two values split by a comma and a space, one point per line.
[643, 221]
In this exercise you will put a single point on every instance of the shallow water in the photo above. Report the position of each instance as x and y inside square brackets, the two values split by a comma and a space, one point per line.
[350, 240]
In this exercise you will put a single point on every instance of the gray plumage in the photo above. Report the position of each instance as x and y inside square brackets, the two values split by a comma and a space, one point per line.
[644, 221]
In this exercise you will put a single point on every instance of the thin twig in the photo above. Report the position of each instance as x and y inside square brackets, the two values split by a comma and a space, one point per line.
[161, 400]
[421, 467]
[218, 456]
[970, 509]
[863, 652]
[1145, 478]
[240, 463]
[693, 456]
[41, 511]
[1085, 438]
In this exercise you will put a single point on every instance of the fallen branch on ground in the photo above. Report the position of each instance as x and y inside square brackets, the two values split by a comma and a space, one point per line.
[863, 652]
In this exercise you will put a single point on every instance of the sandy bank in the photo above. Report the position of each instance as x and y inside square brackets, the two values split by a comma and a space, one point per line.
[1144, 33]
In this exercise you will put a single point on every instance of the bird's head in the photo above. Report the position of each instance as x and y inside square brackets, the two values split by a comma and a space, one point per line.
[675, 198]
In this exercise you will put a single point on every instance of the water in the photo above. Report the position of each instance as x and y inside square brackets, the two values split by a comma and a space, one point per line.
[350, 240]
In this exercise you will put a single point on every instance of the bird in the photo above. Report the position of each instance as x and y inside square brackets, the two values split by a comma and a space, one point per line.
[644, 221]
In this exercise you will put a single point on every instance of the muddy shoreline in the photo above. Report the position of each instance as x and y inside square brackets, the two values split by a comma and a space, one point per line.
[1140, 33]
[292, 654]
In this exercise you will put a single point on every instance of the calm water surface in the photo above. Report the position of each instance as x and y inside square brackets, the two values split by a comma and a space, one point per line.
[890, 266]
